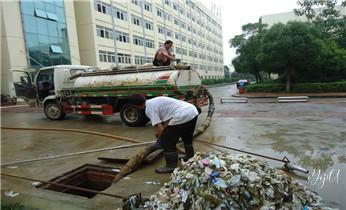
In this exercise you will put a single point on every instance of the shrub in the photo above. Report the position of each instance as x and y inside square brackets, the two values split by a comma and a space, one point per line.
[266, 87]
[339, 86]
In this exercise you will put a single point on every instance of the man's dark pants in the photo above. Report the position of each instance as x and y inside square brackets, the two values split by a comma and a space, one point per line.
[171, 135]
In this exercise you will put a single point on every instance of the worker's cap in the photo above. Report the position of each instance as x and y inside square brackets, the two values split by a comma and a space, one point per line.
[137, 99]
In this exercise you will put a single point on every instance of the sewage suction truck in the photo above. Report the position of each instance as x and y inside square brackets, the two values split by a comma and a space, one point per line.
[85, 90]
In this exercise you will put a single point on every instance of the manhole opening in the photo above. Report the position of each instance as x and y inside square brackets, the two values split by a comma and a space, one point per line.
[88, 176]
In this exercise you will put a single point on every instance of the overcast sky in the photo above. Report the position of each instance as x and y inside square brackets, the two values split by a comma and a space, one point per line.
[236, 13]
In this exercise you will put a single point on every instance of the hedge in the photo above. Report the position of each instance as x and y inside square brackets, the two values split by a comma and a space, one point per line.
[339, 86]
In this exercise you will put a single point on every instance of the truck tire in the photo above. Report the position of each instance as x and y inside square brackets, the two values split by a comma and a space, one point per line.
[54, 111]
[132, 116]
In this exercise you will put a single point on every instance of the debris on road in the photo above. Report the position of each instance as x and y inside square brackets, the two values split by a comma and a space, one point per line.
[224, 181]
[35, 184]
[11, 193]
[153, 182]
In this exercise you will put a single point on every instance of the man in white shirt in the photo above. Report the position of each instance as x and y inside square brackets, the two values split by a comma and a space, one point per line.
[172, 119]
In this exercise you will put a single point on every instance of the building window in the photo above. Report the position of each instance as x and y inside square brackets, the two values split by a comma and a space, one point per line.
[159, 12]
[184, 51]
[177, 36]
[103, 7]
[120, 14]
[175, 6]
[147, 6]
[161, 30]
[103, 56]
[135, 2]
[182, 25]
[55, 49]
[182, 11]
[40, 13]
[176, 21]
[169, 33]
[149, 25]
[136, 20]
[138, 40]
[52, 16]
[111, 57]
[122, 37]
[139, 60]
[104, 32]
[167, 16]
[183, 38]
[124, 58]
[149, 43]
[168, 2]
[189, 41]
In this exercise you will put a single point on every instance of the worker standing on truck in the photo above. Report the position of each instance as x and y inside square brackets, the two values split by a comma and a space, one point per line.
[172, 119]
[163, 56]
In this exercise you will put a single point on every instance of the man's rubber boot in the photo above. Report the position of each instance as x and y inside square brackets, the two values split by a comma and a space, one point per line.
[171, 163]
[189, 152]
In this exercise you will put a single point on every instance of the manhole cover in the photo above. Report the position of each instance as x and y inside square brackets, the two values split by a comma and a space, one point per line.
[88, 176]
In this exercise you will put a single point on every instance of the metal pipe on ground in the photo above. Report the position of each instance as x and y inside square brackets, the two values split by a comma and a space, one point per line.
[76, 153]
[140, 143]
[76, 131]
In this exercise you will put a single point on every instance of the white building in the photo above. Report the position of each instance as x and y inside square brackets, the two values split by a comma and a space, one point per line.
[290, 16]
[141, 26]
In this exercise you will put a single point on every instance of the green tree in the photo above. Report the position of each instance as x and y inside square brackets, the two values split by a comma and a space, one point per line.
[248, 47]
[299, 53]
[325, 14]
[292, 49]
[226, 72]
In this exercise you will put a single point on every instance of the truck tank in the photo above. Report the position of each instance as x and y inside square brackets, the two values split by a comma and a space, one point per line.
[177, 76]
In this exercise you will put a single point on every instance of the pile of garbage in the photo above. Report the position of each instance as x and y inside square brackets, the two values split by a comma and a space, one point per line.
[224, 181]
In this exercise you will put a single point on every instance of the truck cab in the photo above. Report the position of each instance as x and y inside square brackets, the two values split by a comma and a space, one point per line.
[46, 83]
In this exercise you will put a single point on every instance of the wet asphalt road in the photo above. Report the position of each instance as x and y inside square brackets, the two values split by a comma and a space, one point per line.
[311, 134]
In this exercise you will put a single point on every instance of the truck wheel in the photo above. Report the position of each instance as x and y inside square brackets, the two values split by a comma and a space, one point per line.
[132, 116]
[54, 111]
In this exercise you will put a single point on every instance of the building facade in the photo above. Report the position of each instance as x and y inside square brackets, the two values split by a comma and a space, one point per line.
[36, 34]
[106, 33]
[129, 32]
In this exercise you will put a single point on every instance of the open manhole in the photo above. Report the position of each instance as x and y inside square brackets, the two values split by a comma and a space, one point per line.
[88, 176]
